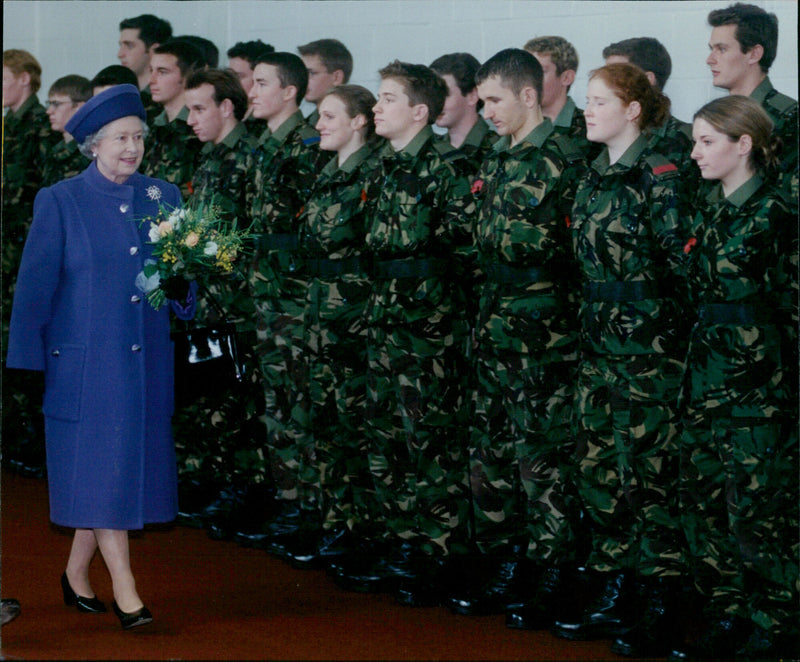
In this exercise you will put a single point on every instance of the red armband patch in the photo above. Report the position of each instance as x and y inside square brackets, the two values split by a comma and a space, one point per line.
[568, 221]
[477, 185]
[690, 245]
[667, 167]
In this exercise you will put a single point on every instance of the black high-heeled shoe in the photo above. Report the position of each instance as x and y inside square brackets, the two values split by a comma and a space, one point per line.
[86, 605]
[134, 619]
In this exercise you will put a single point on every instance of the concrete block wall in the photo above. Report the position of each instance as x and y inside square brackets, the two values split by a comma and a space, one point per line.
[81, 36]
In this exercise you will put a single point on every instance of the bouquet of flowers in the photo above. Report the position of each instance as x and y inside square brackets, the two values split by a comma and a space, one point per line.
[186, 242]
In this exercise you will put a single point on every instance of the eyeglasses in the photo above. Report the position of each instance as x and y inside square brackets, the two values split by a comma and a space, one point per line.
[56, 104]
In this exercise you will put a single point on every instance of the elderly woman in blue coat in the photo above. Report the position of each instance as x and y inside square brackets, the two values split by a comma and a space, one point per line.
[107, 357]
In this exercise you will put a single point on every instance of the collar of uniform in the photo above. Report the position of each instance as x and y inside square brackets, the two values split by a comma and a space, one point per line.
[228, 141]
[535, 138]
[477, 133]
[280, 134]
[354, 160]
[416, 143]
[742, 194]
[564, 118]
[163, 119]
[31, 102]
[601, 163]
[761, 92]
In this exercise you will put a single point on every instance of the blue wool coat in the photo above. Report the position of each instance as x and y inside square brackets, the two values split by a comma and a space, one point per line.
[106, 353]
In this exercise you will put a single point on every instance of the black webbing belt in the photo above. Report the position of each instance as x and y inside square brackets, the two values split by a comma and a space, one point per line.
[502, 273]
[277, 242]
[325, 268]
[733, 313]
[410, 268]
[620, 290]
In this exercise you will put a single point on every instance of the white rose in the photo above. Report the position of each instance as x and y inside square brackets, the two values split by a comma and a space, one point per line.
[154, 235]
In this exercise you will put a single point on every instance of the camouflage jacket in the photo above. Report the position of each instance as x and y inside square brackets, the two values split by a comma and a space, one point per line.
[524, 193]
[27, 139]
[743, 280]
[627, 236]
[783, 112]
[474, 149]
[223, 174]
[572, 124]
[417, 234]
[673, 140]
[333, 220]
[172, 151]
[63, 161]
[286, 164]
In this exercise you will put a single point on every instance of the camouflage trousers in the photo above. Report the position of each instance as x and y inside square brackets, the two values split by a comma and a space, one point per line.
[289, 445]
[739, 492]
[219, 438]
[415, 412]
[521, 455]
[336, 353]
[627, 462]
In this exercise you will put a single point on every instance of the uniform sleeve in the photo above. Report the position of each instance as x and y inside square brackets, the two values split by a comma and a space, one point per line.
[670, 222]
[36, 286]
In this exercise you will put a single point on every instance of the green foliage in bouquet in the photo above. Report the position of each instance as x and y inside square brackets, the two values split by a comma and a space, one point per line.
[187, 242]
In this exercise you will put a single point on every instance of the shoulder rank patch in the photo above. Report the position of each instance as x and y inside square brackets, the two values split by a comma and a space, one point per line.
[666, 167]
[780, 102]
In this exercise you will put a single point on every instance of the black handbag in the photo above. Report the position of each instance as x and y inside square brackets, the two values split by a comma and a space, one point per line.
[207, 359]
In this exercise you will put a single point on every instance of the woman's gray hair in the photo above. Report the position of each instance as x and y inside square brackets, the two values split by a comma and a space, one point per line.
[92, 139]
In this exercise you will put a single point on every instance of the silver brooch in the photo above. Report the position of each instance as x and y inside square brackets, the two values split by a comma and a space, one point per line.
[153, 192]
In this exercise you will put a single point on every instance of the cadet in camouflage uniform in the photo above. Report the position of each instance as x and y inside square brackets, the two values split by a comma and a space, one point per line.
[66, 95]
[27, 138]
[526, 344]
[287, 162]
[673, 138]
[332, 234]
[739, 29]
[172, 151]
[417, 334]
[467, 131]
[739, 482]
[329, 64]
[626, 235]
[219, 438]
[138, 37]
[241, 60]
[559, 61]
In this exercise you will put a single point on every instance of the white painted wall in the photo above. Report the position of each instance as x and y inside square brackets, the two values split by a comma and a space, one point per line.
[80, 37]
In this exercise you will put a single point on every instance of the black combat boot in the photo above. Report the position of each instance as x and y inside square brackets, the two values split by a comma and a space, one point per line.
[548, 600]
[608, 615]
[660, 627]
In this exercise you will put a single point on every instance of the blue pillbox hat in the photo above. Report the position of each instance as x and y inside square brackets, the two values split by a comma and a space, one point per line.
[111, 104]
